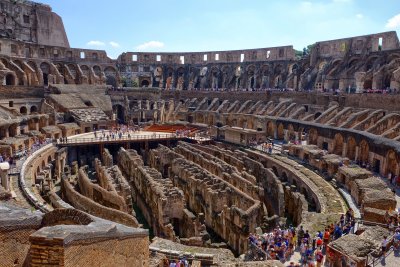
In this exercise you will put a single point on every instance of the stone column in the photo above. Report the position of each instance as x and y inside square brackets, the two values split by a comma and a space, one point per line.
[344, 150]
[5, 181]
[357, 152]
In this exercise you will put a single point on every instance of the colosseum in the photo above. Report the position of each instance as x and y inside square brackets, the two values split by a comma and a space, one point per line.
[256, 157]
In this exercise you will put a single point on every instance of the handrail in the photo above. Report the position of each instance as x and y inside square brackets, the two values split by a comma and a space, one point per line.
[117, 138]
[371, 260]
[28, 193]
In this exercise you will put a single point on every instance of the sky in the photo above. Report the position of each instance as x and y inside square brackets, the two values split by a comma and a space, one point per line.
[210, 25]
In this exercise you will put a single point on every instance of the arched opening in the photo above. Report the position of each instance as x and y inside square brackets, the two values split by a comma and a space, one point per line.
[281, 133]
[33, 109]
[119, 111]
[275, 170]
[23, 110]
[252, 82]
[270, 129]
[10, 79]
[364, 151]
[313, 136]
[111, 75]
[145, 83]
[49, 160]
[392, 165]
[291, 133]
[45, 67]
[284, 177]
[351, 148]
[111, 80]
[338, 144]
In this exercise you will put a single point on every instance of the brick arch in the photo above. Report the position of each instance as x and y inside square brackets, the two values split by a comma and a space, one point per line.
[392, 164]
[338, 143]
[280, 132]
[270, 129]
[291, 132]
[364, 151]
[313, 136]
[351, 148]
[284, 177]
[66, 217]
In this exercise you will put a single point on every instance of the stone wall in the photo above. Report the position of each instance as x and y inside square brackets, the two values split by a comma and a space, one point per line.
[111, 179]
[87, 205]
[100, 195]
[16, 225]
[161, 203]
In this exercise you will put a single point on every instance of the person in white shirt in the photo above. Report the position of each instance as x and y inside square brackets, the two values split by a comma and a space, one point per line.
[384, 245]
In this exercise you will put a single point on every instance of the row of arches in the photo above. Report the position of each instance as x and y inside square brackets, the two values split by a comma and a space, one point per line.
[24, 110]
[32, 73]
[354, 146]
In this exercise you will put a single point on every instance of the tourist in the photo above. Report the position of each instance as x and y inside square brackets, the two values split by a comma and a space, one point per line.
[300, 235]
[384, 245]
[396, 239]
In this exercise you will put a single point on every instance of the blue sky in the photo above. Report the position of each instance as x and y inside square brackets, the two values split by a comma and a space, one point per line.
[206, 25]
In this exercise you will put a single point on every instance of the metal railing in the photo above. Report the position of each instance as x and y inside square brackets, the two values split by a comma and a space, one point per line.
[113, 139]
[372, 260]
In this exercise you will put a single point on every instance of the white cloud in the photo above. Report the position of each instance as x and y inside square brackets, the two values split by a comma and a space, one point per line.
[96, 43]
[114, 44]
[150, 45]
[359, 16]
[394, 22]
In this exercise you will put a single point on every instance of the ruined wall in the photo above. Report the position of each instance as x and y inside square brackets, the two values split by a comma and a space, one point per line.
[120, 252]
[123, 252]
[87, 205]
[357, 45]
[100, 195]
[160, 202]
[296, 206]
[32, 22]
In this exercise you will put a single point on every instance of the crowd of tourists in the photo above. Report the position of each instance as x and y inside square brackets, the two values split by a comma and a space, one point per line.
[21, 155]
[182, 133]
[183, 262]
[117, 132]
[281, 243]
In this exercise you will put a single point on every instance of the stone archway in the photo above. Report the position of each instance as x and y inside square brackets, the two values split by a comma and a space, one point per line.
[364, 151]
[45, 68]
[392, 163]
[33, 109]
[270, 129]
[119, 110]
[280, 132]
[291, 133]
[145, 83]
[351, 148]
[10, 79]
[338, 143]
[23, 110]
[313, 136]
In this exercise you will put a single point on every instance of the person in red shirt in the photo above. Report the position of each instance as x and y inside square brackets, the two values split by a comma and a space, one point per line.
[319, 257]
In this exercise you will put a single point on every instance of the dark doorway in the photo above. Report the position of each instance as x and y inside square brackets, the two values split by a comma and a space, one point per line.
[377, 166]
[23, 110]
[145, 83]
[325, 146]
[45, 79]
[10, 79]
[119, 111]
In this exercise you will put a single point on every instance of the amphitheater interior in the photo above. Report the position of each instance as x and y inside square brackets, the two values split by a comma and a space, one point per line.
[156, 157]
